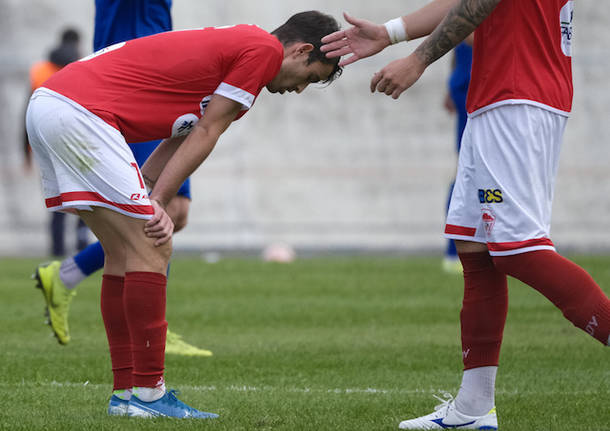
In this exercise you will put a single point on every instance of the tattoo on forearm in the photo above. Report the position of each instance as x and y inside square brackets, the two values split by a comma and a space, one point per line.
[459, 23]
[150, 183]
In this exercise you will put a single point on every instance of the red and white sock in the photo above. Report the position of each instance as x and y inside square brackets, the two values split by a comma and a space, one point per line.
[566, 285]
[144, 302]
[117, 331]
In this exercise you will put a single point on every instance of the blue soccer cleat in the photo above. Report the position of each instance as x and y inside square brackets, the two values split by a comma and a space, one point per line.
[168, 405]
[117, 406]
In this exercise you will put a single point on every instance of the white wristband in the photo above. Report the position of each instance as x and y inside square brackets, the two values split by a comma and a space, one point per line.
[396, 30]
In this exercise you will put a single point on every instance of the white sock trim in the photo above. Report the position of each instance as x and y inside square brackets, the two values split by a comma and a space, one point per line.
[149, 395]
[476, 394]
[70, 274]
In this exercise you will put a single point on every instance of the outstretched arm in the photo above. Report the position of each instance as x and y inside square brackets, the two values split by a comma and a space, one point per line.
[461, 20]
[366, 38]
[200, 142]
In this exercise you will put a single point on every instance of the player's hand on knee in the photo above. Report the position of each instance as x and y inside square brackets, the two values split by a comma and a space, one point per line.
[160, 226]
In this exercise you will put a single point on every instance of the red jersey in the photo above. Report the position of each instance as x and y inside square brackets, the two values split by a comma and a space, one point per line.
[523, 54]
[159, 86]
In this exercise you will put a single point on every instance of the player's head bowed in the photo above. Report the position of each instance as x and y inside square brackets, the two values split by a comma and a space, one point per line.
[310, 27]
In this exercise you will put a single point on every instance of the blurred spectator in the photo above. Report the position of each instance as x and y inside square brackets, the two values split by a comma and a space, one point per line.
[66, 52]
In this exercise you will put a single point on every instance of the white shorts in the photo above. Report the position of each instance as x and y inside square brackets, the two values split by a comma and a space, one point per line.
[84, 162]
[505, 180]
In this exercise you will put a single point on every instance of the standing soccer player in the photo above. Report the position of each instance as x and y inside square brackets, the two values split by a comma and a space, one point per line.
[115, 21]
[518, 103]
[184, 86]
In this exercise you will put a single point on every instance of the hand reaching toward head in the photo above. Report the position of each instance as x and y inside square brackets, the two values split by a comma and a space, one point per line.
[362, 40]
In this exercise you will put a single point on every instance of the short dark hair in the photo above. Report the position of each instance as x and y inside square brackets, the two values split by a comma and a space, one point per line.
[310, 27]
[70, 35]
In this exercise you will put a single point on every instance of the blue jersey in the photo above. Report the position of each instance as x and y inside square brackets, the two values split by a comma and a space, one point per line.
[458, 86]
[121, 20]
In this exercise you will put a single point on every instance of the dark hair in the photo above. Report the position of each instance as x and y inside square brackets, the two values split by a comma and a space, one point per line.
[70, 35]
[310, 27]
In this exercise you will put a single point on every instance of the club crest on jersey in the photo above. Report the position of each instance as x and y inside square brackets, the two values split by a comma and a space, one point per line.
[489, 219]
[566, 17]
[184, 124]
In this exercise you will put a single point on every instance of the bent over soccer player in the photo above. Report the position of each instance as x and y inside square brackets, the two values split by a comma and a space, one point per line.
[518, 102]
[115, 21]
[185, 86]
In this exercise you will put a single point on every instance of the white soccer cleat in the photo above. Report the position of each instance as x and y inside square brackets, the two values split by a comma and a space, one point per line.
[445, 416]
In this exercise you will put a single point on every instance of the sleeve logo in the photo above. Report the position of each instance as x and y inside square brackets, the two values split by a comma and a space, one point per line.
[566, 16]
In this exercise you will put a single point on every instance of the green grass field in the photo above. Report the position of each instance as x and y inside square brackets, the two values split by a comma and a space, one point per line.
[320, 344]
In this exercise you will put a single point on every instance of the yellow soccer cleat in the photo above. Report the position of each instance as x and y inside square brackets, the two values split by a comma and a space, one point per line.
[175, 345]
[57, 298]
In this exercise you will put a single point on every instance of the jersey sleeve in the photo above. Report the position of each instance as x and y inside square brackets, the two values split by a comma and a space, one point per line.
[250, 72]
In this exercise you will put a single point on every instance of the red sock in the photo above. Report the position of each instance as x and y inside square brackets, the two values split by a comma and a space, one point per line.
[117, 331]
[484, 310]
[566, 285]
[144, 302]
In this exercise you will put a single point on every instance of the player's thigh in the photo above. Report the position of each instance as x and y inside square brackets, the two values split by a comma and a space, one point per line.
[126, 245]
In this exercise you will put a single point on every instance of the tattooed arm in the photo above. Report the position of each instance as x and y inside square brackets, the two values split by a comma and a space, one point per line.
[459, 23]
[461, 20]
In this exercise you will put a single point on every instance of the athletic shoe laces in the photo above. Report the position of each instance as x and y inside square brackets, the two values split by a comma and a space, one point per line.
[171, 394]
[445, 402]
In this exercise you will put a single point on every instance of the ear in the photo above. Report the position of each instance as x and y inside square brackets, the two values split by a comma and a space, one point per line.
[302, 48]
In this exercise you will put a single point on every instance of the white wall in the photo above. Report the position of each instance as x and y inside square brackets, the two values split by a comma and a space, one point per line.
[335, 167]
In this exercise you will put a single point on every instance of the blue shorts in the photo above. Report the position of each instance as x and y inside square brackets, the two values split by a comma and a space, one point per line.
[143, 150]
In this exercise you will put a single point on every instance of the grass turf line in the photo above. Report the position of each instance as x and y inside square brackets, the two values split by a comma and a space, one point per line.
[321, 344]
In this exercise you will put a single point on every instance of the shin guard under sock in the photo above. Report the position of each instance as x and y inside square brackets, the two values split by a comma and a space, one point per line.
[484, 310]
[566, 285]
[144, 302]
[117, 331]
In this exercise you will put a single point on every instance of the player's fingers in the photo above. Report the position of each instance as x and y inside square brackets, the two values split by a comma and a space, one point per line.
[349, 60]
[397, 92]
[333, 37]
[162, 241]
[381, 85]
[153, 221]
[154, 228]
[352, 20]
[377, 77]
[340, 52]
[333, 46]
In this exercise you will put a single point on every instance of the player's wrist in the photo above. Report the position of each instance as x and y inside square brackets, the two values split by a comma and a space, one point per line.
[397, 31]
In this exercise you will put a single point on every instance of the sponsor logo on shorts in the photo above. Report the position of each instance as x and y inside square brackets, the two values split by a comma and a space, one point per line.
[489, 220]
[138, 197]
[490, 196]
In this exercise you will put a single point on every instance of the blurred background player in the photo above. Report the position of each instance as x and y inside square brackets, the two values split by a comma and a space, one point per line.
[65, 53]
[115, 21]
[455, 103]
